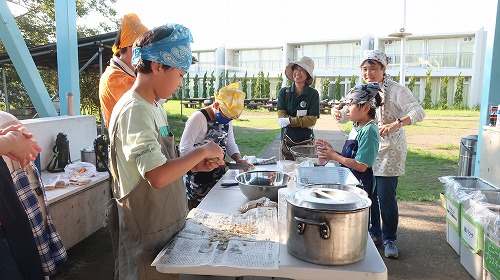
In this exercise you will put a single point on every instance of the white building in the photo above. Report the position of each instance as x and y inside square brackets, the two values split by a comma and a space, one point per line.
[443, 54]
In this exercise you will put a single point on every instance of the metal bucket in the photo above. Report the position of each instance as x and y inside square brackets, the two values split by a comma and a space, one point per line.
[467, 159]
[88, 155]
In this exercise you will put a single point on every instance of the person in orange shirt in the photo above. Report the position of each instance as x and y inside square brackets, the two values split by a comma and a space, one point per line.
[119, 76]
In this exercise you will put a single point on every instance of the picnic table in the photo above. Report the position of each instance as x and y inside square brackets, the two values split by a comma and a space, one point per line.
[324, 107]
[197, 101]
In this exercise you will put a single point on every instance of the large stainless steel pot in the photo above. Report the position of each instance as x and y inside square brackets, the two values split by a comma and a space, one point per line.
[327, 226]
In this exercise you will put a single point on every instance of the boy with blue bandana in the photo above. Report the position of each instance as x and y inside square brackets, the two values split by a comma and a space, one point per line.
[150, 199]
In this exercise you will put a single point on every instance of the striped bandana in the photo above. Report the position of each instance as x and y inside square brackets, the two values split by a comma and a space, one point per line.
[174, 50]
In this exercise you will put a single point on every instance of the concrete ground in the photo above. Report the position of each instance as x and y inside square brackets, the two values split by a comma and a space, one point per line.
[424, 252]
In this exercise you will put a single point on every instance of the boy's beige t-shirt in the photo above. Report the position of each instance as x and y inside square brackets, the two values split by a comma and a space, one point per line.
[137, 148]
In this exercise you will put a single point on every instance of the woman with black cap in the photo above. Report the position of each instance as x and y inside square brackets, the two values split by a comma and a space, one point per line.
[298, 107]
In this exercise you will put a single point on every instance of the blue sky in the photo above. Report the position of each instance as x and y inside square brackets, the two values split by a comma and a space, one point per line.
[271, 22]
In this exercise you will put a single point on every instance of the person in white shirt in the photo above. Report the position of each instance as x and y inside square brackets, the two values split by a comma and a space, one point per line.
[212, 123]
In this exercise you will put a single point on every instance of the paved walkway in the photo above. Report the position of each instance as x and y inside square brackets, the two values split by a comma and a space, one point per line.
[424, 252]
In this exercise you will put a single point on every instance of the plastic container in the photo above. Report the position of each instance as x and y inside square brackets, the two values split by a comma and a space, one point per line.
[457, 190]
[475, 215]
[491, 261]
[326, 175]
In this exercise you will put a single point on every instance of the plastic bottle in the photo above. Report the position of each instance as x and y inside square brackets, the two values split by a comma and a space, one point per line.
[497, 124]
[70, 100]
[282, 204]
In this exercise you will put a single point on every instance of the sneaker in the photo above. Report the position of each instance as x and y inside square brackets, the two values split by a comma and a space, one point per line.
[390, 249]
[377, 239]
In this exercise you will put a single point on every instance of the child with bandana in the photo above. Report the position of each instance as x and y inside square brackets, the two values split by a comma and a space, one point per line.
[150, 204]
[361, 148]
[212, 123]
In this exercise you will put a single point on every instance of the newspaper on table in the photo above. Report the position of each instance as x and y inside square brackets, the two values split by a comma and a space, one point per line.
[248, 240]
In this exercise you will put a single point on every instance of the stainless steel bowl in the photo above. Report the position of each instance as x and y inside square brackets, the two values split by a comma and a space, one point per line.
[257, 184]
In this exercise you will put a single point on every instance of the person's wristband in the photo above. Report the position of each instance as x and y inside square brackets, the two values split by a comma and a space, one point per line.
[400, 123]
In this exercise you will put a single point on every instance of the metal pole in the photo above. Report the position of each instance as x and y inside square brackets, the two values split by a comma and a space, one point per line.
[101, 49]
[403, 41]
[4, 80]
[402, 66]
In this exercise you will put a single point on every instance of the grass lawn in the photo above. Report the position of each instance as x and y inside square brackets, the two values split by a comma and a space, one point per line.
[433, 145]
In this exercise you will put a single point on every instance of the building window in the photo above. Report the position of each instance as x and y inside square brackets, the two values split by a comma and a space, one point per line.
[444, 51]
[317, 53]
[206, 61]
[344, 55]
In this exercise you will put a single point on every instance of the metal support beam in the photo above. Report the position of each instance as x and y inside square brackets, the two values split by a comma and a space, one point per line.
[23, 62]
[491, 80]
[67, 54]
[5, 93]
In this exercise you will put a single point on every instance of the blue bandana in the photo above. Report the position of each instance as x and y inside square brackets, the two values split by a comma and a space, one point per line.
[174, 50]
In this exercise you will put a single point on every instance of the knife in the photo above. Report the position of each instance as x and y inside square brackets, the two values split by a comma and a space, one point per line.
[232, 165]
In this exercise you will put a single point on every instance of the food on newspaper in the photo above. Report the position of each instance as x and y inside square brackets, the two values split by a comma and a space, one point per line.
[261, 202]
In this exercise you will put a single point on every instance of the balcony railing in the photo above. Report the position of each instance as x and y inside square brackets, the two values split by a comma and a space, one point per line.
[336, 62]
[256, 65]
[435, 60]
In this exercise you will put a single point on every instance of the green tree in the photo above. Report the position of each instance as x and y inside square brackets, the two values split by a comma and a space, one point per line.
[255, 89]
[196, 84]
[325, 88]
[234, 79]
[288, 83]
[267, 87]
[244, 84]
[37, 26]
[89, 103]
[211, 88]
[458, 98]
[279, 85]
[226, 82]
[221, 81]
[443, 94]
[398, 77]
[427, 104]
[353, 81]
[411, 85]
[204, 85]
[260, 84]
[338, 96]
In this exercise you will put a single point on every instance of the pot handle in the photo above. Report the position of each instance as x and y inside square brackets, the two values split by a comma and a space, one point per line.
[324, 229]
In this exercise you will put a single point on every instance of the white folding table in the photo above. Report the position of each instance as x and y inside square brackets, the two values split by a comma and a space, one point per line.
[227, 200]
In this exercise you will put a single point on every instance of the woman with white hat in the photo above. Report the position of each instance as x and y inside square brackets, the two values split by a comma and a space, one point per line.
[399, 109]
[298, 107]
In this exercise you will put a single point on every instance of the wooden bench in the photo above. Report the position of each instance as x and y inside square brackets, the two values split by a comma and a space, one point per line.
[252, 105]
[269, 106]
[324, 109]
[188, 104]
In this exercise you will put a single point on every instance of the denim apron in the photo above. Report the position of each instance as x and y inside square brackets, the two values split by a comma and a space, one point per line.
[198, 184]
[147, 218]
[366, 178]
